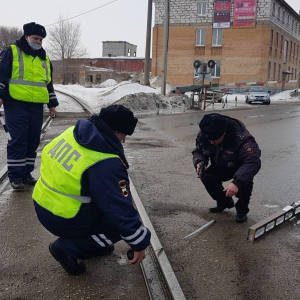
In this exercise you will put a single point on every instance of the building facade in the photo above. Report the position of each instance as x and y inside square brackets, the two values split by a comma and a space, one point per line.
[118, 48]
[87, 71]
[252, 41]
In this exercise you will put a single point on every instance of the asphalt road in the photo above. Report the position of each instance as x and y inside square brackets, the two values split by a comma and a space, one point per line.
[218, 263]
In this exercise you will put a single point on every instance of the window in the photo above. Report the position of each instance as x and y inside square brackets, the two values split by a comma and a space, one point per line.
[217, 37]
[200, 37]
[216, 71]
[283, 17]
[273, 9]
[285, 51]
[202, 8]
[279, 13]
[269, 70]
[272, 33]
[274, 71]
[279, 72]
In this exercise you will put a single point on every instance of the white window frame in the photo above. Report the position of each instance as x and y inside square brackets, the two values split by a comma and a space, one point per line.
[200, 37]
[216, 71]
[217, 37]
[202, 8]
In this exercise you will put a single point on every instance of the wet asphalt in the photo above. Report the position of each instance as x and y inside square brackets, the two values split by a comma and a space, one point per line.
[218, 263]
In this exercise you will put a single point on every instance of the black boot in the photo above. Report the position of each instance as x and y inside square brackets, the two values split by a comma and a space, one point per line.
[29, 180]
[69, 263]
[221, 206]
[17, 186]
[241, 218]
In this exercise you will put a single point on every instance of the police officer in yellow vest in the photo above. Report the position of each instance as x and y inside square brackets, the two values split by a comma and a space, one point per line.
[25, 86]
[83, 195]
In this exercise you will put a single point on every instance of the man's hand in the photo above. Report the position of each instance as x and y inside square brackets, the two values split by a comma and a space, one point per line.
[200, 168]
[138, 257]
[231, 190]
[1, 102]
[52, 112]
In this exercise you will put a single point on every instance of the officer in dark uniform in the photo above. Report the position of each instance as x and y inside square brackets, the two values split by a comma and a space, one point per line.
[25, 86]
[83, 194]
[226, 150]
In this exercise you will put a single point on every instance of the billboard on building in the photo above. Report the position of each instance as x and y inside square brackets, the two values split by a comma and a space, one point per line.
[244, 13]
[222, 10]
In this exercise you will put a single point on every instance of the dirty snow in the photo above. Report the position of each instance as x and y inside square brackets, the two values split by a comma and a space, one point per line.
[144, 99]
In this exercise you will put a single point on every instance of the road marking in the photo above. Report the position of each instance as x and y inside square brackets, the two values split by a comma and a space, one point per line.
[257, 116]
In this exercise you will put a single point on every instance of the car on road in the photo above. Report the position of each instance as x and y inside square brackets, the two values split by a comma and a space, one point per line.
[258, 94]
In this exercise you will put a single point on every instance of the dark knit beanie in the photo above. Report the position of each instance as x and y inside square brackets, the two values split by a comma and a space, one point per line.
[119, 118]
[34, 29]
[213, 126]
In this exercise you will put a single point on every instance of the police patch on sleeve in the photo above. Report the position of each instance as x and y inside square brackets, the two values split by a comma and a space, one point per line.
[248, 148]
[123, 188]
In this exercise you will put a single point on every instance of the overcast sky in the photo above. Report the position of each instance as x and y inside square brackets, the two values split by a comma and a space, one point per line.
[119, 20]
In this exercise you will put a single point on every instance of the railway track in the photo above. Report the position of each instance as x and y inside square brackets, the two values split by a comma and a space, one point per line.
[160, 280]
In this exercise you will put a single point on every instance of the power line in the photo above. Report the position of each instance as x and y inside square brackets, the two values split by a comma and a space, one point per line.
[84, 13]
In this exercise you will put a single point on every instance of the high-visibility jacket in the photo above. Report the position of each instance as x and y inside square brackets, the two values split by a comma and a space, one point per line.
[63, 164]
[29, 78]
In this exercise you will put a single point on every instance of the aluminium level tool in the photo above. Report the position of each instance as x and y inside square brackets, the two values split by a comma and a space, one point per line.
[261, 228]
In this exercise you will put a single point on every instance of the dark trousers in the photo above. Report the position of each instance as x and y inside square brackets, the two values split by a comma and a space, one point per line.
[213, 177]
[83, 236]
[24, 122]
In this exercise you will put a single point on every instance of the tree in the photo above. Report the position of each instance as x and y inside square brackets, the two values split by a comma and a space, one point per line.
[64, 44]
[8, 35]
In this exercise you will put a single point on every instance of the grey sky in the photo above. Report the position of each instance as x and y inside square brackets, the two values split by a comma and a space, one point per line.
[123, 20]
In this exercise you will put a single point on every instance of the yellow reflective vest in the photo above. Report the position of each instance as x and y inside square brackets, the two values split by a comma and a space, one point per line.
[30, 76]
[63, 163]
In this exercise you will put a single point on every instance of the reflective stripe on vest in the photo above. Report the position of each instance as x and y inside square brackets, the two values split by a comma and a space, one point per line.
[63, 163]
[30, 76]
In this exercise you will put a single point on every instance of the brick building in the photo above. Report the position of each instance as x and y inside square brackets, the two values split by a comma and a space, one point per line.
[251, 41]
[118, 48]
[87, 71]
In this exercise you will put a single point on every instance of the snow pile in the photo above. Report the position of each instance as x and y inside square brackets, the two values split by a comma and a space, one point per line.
[156, 82]
[143, 103]
[96, 98]
[108, 83]
[285, 95]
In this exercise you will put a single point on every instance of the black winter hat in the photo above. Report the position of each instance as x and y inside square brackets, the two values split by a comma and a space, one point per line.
[213, 126]
[34, 29]
[119, 118]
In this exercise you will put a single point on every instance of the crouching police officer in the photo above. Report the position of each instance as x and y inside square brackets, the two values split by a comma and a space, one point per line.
[233, 154]
[83, 196]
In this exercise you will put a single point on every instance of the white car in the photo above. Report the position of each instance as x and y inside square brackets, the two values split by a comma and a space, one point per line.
[258, 94]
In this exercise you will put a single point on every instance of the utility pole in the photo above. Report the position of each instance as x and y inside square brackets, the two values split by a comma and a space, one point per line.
[148, 44]
[166, 42]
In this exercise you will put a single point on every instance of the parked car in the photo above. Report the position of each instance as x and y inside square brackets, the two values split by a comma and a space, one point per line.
[258, 94]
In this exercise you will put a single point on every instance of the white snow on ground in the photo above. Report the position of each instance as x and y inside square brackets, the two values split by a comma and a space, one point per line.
[144, 99]
[285, 95]
[96, 98]
[108, 83]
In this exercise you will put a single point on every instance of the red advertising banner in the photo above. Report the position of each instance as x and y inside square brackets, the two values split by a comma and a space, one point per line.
[222, 10]
[244, 13]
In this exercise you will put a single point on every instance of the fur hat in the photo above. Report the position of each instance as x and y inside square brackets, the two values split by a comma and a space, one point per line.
[34, 29]
[119, 118]
[213, 126]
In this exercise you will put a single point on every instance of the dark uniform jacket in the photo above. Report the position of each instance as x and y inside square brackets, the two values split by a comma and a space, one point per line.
[6, 58]
[238, 154]
[111, 210]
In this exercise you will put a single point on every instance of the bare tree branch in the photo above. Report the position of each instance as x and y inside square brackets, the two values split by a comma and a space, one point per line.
[64, 43]
[8, 35]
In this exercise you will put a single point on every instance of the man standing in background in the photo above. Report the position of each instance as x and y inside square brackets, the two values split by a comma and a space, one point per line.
[25, 86]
